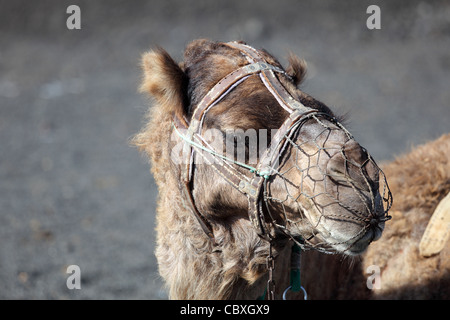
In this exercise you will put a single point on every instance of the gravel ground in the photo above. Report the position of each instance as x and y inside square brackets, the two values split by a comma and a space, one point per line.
[72, 191]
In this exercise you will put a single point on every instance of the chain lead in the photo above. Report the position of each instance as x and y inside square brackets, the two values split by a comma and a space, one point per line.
[270, 267]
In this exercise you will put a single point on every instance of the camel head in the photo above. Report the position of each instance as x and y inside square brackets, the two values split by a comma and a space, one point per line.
[314, 183]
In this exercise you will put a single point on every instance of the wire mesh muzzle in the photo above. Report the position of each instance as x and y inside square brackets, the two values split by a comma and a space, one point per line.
[324, 186]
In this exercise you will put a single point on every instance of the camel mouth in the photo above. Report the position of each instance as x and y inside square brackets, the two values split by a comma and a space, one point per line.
[332, 225]
[372, 234]
[341, 231]
[353, 243]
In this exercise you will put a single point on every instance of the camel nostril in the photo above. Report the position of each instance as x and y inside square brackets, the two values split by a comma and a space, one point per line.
[336, 171]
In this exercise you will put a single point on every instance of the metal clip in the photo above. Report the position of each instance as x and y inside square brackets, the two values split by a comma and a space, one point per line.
[270, 261]
[247, 188]
[305, 295]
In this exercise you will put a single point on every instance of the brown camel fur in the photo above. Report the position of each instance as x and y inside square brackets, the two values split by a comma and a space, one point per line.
[331, 200]
[419, 180]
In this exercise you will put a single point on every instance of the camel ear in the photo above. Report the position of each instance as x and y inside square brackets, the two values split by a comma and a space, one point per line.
[296, 69]
[164, 81]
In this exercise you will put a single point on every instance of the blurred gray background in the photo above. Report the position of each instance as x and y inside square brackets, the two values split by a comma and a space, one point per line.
[72, 190]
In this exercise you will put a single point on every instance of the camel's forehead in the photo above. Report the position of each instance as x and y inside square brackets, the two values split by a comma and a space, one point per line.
[206, 63]
[200, 50]
[218, 55]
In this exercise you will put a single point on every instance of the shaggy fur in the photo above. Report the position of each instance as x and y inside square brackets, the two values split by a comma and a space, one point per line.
[418, 181]
[165, 80]
[191, 265]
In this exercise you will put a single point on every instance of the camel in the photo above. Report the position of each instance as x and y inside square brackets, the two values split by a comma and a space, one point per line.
[420, 181]
[248, 166]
